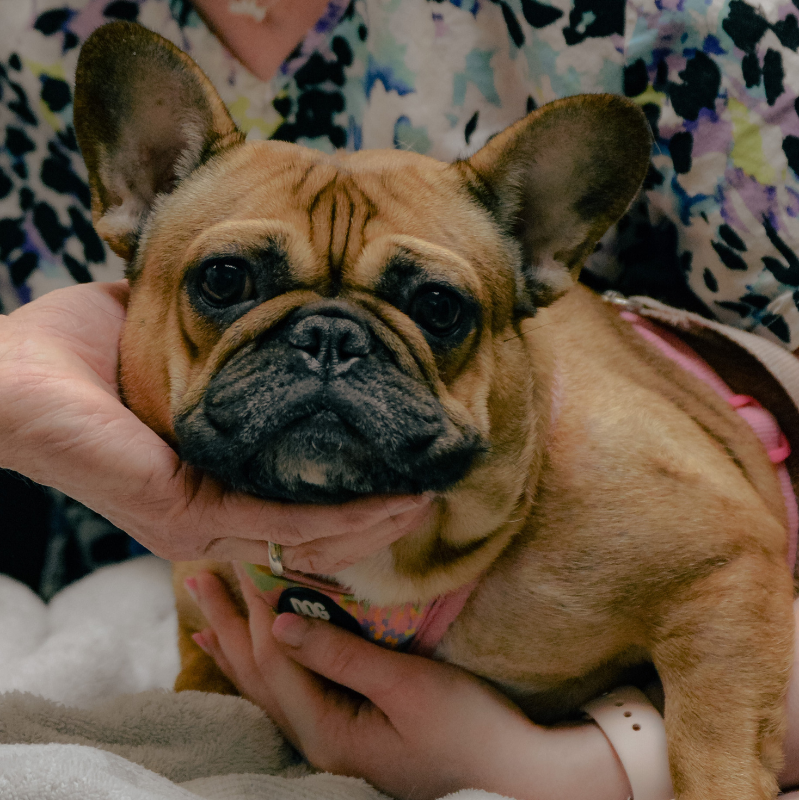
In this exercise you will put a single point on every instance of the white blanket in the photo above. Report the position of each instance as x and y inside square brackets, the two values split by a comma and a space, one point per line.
[87, 711]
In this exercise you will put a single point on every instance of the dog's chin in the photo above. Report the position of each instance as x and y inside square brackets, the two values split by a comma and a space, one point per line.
[321, 459]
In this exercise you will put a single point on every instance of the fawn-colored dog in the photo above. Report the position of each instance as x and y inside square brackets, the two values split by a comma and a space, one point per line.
[312, 327]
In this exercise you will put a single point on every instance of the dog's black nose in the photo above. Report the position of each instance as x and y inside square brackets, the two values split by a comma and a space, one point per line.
[331, 342]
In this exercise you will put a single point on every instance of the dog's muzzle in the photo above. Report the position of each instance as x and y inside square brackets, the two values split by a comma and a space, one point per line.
[319, 411]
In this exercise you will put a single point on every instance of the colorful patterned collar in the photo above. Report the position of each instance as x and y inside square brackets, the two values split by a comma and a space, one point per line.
[413, 628]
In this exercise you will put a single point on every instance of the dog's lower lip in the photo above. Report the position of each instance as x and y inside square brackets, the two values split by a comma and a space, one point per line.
[326, 431]
[324, 439]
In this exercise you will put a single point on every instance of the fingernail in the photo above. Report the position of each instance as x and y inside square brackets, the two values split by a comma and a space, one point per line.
[191, 586]
[408, 504]
[290, 629]
[200, 640]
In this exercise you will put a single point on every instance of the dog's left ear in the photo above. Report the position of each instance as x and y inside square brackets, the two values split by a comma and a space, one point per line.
[145, 117]
[558, 179]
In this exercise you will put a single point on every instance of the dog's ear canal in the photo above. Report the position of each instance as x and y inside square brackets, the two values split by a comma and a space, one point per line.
[145, 117]
[558, 179]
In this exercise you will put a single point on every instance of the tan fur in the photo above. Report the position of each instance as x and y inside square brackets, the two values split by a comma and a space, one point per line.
[622, 512]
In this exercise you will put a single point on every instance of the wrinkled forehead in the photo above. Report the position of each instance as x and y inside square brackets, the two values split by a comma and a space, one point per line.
[338, 219]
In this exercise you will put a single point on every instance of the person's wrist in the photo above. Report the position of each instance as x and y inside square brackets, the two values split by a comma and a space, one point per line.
[563, 762]
[582, 762]
[532, 762]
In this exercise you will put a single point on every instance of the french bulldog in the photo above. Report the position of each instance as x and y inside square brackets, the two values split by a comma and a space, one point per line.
[318, 327]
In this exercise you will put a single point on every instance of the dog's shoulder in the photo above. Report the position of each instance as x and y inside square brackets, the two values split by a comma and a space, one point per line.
[622, 403]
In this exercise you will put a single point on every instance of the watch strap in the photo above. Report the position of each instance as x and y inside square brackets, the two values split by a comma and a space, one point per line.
[636, 731]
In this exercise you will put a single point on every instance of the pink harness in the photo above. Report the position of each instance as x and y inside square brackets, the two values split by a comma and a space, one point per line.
[418, 628]
[751, 411]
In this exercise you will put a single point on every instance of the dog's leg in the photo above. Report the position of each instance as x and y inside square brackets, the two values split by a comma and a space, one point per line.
[199, 672]
[724, 655]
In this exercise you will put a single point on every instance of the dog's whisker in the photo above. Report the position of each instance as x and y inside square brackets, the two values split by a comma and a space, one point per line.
[530, 330]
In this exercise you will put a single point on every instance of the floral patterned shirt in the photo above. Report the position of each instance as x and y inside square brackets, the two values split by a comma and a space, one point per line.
[715, 229]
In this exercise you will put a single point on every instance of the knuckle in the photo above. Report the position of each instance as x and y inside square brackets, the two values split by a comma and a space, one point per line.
[286, 535]
[340, 657]
[308, 559]
[313, 564]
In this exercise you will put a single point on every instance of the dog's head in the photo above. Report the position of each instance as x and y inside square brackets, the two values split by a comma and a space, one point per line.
[315, 327]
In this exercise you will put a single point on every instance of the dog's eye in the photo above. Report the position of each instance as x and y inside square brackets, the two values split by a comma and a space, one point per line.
[225, 282]
[437, 310]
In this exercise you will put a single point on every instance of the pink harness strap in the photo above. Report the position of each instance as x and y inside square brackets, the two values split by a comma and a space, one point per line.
[441, 616]
[754, 414]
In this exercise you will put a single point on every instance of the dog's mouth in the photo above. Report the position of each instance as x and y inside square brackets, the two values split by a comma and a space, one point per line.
[270, 428]
[321, 458]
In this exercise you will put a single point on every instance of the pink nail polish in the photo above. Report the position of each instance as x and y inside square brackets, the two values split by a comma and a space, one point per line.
[200, 640]
[191, 587]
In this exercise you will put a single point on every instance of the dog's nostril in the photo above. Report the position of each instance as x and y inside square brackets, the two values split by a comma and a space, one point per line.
[355, 342]
[331, 340]
[306, 337]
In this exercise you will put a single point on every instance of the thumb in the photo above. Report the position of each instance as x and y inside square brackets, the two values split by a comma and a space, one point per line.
[346, 659]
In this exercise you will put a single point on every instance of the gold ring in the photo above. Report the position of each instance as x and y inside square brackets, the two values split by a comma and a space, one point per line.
[275, 563]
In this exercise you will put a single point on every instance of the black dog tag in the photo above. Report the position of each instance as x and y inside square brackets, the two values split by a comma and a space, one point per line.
[314, 604]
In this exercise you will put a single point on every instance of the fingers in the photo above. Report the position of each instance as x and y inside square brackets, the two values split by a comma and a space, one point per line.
[207, 641]
[229, 642]
[334, 553]
[231, 628]
[324, 556]
[323, 717]
[348, 660]
[292, 524]
[295, 699]
[331, 726]
[235, 548]
[232, 526]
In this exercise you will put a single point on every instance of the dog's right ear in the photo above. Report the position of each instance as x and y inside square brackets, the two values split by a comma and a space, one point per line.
[145, 117]
[557, 180]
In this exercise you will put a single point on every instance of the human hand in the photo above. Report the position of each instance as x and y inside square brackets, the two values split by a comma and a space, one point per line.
[412, 727]
[64, 426]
